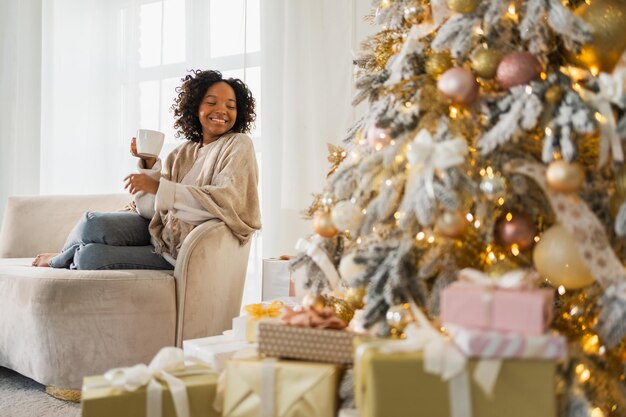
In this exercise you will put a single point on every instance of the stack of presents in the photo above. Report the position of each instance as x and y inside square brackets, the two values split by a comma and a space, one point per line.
[490, 355]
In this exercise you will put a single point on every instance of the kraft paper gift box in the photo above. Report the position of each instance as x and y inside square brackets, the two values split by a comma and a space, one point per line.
[99, 400]
[276, 279]
[306, 343]
[517, 310]
[260, 388]
[395, 384]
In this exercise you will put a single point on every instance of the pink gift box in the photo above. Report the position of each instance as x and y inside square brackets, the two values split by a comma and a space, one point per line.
[495, 344]
[525, 311]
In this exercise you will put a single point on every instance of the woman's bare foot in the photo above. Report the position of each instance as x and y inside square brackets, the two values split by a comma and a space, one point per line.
[43, 259]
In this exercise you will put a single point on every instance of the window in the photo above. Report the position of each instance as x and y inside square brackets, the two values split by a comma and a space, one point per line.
[162, 40]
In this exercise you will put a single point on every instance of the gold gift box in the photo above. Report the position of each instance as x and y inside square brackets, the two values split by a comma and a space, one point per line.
[395, 384]
[98, 401]
[299, 389]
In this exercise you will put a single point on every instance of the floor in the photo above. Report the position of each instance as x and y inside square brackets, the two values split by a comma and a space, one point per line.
[23, 397]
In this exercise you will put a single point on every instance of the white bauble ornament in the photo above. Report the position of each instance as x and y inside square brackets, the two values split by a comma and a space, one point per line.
[348, 269]
[557, 259]
[347, 216]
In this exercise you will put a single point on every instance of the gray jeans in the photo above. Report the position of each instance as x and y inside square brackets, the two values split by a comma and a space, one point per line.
[118, 240]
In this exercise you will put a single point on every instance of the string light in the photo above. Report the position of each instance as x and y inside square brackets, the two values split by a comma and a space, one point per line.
[454, 112]
[561, 290]
[594, 70]
[420, 236]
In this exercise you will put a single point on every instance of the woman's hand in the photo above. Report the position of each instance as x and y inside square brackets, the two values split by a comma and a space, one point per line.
[147, 161]
[141, 182]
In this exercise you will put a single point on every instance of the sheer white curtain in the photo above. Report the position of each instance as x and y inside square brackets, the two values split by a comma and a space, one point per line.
[20, 84]
[307, 50]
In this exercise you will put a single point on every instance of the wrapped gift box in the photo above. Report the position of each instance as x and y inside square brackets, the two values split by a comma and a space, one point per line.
[307, 343]
[524, 311]
[276, 279]
[289, 388]
[99, 400]
[494, 344]
[395, 384]
[215, 350]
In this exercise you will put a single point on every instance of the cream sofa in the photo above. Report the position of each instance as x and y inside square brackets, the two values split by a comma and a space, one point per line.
[57, 325]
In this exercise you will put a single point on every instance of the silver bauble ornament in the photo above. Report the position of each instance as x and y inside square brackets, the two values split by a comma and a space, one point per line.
[493, 187]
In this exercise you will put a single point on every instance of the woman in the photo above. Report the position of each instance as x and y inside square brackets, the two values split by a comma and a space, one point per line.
[213, 175]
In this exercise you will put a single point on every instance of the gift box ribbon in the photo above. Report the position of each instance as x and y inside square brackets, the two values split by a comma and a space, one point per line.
[263, 311]
[166, 367]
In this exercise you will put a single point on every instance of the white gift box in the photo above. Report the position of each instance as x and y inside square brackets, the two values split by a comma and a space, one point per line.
[215, 350]
[276, 279]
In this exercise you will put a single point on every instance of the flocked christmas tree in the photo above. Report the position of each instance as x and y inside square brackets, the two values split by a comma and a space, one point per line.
[493, 140]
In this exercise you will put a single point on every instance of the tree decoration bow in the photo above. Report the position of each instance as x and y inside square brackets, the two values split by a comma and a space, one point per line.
[314, 250]
[428, 157]
[611, 91]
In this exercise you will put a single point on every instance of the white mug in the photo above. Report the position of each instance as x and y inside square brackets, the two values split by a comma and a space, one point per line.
[149, 143]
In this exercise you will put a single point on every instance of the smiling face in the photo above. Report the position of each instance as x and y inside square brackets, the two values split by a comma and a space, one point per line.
[217, 111]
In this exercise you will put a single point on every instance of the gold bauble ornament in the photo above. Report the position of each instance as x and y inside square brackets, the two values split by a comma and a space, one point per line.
[485, 62]
[413, 14]
[557, 259]
[565, 177]
[343, 309]
[620, 179]
[615, 203]
[356, 297]
[451, 223]
[314, 301]
[399, 316]
[554, 94]
[323, 224]
[463, 6]
[606, 18]
[438, 63]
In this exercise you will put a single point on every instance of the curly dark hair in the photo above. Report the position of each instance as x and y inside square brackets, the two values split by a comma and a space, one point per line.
[190, 95]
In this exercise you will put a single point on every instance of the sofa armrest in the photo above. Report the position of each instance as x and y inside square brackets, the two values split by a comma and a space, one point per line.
[210, 275]
[37, 224]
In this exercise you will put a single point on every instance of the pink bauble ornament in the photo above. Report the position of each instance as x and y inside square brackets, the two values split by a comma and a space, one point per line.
[378, 137]
[518, 68]
[459, 85]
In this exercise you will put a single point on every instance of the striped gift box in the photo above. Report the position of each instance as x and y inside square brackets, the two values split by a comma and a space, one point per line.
[493, 344]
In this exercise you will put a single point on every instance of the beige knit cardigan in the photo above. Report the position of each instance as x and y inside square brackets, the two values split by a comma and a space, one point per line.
[226, 188]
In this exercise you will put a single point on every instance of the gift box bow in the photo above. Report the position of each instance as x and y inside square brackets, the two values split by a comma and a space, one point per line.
[515, 279]
[167, 366]
[251, 385]
[264, 311]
